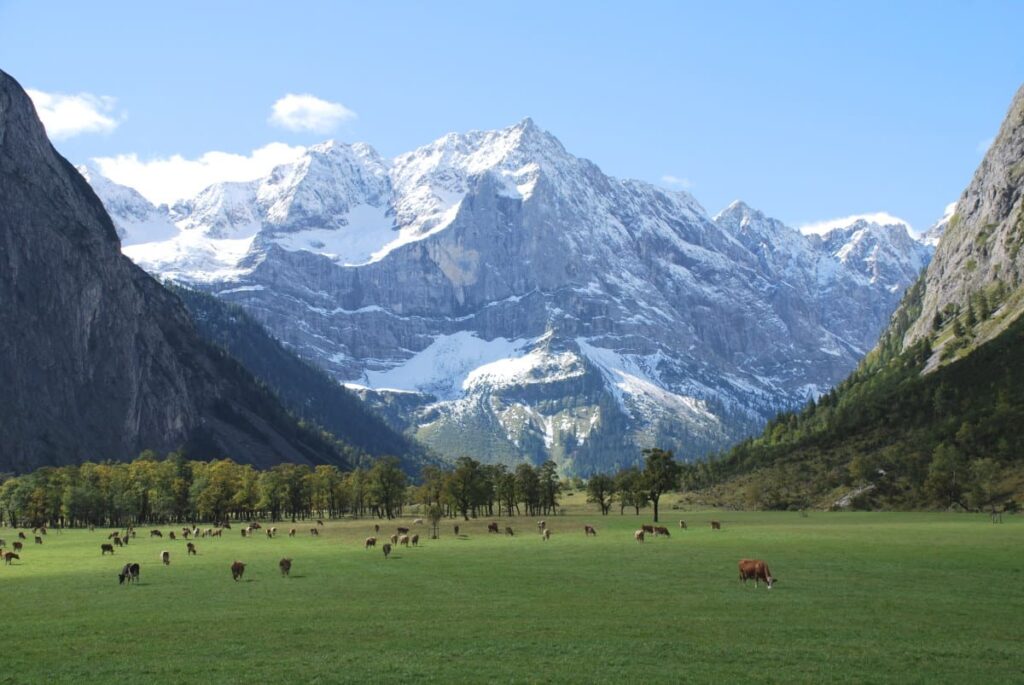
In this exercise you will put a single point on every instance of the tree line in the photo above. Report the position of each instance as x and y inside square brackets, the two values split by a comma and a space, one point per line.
[153, 491]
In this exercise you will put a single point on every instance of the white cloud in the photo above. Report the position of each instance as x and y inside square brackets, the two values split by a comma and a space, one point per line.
[883, 218]
[166, 179]
[65, 116]
[677, 182]
[309, 113]
[983, 145]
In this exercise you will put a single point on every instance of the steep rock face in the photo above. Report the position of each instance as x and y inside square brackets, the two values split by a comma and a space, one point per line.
[97, 360]
[982, 240]
[525, 305]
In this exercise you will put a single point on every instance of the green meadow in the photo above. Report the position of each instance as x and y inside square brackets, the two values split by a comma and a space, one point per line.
[861, 597]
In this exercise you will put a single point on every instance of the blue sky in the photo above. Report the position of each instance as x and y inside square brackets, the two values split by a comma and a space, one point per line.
[807, 110]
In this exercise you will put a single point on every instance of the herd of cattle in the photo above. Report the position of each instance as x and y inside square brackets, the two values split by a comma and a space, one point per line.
[749, 569]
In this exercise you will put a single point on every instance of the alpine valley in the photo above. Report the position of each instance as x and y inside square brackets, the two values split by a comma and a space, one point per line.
[492, 294]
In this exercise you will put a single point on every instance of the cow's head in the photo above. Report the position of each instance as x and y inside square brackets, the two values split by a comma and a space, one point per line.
[771, 580]
[120, 578]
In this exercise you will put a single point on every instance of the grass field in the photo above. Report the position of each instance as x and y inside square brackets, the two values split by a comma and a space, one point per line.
[862, 597]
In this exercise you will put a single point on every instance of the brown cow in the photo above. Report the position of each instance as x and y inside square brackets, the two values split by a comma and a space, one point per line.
[106, 547]
[589, 530]
[639, 535]
[319, 522]
[376, 528]
[314, 531]
[291, 533]
[269, 534]
[404, 540]
[508, 531]
[401, 530]
[492, 527]
[171, 534]
[547, 534]
[682, 524]
[17, 546]
[456, 530]
[647, 529]
[256, 525]
[286, 566]
[191, 549]
[716, 525]
[370, 542]
[237, 569]
[9, 556]
[21, 536]
[155, 534]
[756, 569]
[661, 530]
[416, 540]
[39, 540]
[166, 558]
[387, 549]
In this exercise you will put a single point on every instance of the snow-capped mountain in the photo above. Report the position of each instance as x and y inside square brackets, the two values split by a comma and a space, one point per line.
[497, 296]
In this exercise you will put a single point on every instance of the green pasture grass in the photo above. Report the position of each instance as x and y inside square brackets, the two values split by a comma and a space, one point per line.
[862, 598]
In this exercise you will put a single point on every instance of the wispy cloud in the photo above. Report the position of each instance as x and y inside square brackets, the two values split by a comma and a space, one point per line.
[309, 113]
[677, 182]
[66, 116]
[983, 145]
[883, 218]
[166, 179]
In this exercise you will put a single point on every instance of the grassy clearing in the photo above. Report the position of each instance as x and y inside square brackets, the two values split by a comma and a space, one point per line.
[863, 597]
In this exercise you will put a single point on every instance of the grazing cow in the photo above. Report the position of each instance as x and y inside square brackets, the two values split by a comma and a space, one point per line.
[272, 531]
[417, 522]
[456, 530]
[106, 547]
[185, 532]
[319, 522]
[370, 542]
[269, 534]
[647, 529]
[21, 536]
[756, 569]
[117, 542]
[237, 569]
[10, 556]
[682, 524]
[661, 530]
[39, 540]
[217, 533]
[508, 531]
[130, 572]
[17, 546]
[589, 530]
[286, 566]
[546, 535]
[166, 558]
[404, 540]
[291, 533]
[401, 530]
[387, 549]
[716, 525]
[171, 534]
[394, 539]
[416, 540]
[314, 531]
[639, 535]
[191, 549]
[155, 534]
[492, 527]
